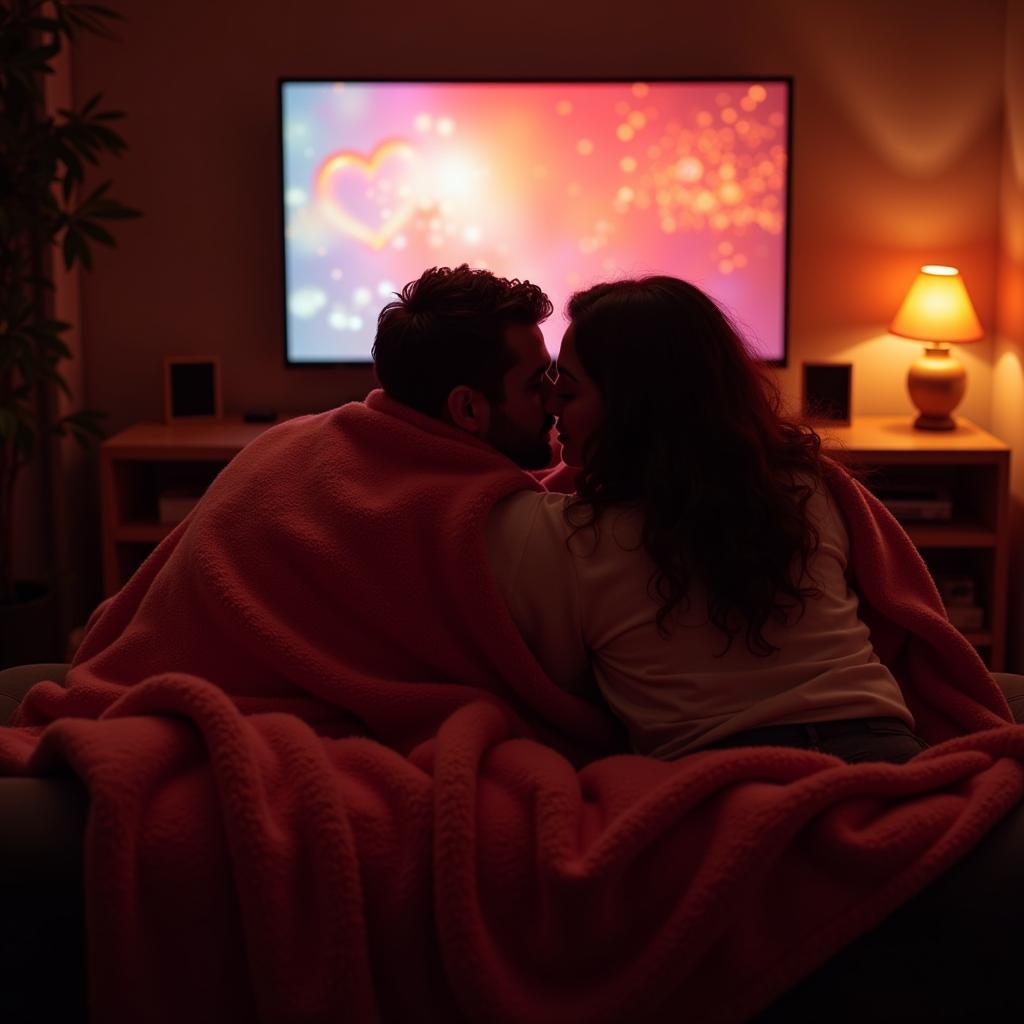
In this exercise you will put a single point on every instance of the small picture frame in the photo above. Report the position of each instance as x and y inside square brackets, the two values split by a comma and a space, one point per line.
[192, 392]
[827, 393]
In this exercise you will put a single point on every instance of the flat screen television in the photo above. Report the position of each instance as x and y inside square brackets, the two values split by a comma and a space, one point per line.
[563, 183]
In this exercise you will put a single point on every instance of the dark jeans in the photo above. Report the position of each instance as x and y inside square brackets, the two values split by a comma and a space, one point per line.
[853, 740]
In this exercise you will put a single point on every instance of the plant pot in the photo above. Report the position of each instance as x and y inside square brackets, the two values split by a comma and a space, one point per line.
[28, 626]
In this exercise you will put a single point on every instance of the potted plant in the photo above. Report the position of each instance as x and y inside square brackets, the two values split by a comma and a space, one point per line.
[44, 208]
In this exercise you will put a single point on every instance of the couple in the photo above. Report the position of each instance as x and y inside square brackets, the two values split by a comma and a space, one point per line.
[698, 573]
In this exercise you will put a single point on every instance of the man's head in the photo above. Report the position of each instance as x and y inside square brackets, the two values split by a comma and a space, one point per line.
[465, 346]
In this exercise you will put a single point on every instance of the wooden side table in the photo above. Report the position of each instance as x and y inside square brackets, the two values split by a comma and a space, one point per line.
[973, 468]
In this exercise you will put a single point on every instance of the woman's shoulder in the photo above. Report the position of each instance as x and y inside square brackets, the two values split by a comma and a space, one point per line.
[617, 528]
[815, 485]
[540, 513]
[563, 517]
[518, 517]
[530, 503]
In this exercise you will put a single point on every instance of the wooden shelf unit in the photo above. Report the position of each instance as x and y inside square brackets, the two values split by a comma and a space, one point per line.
[140, 462]
[975, 468]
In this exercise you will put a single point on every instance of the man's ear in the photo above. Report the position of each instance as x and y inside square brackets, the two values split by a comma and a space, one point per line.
[468, 409]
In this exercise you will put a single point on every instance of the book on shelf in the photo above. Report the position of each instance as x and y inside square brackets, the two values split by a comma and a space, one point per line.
[966, 617]
[959, 595]
[174, 505]
[917, 503]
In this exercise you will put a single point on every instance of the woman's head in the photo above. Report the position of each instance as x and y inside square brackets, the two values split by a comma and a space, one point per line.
[660, 403]
[652, 359]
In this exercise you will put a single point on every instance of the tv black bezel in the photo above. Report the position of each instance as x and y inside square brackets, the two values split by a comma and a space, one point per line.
[362, 364]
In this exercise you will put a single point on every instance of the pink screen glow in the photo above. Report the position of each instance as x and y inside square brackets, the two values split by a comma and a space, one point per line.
[563, 184]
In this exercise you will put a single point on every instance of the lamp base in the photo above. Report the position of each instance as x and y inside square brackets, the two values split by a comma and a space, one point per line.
[936, 383]
[924, 422]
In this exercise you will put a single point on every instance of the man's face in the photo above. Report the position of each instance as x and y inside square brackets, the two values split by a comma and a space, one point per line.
[520, 427]
[575, 401]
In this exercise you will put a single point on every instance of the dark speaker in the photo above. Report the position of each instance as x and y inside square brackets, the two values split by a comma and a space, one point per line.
[827, 392]
[191, 388]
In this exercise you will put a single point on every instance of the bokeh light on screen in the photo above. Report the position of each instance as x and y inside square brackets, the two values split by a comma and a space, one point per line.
[563, 184]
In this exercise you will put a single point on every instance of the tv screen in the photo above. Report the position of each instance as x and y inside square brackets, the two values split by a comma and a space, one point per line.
[562, 183]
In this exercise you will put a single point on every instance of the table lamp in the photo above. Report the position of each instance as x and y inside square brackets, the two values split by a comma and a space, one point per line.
[938, 310]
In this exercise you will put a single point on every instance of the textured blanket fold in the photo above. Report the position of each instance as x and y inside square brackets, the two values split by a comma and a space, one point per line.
[328, 781]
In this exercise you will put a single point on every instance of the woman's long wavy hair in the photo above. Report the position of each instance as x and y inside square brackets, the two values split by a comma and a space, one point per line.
[694, 434]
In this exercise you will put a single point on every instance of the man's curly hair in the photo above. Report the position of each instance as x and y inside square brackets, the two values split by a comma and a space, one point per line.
[447, 328]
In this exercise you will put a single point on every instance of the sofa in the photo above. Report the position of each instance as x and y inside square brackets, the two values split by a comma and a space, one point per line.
[949, 954]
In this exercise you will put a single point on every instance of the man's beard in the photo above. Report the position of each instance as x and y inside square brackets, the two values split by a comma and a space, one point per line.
[526, 449]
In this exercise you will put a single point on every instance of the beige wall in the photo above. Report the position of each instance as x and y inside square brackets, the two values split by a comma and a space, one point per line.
[1008, 375]
[898, 152]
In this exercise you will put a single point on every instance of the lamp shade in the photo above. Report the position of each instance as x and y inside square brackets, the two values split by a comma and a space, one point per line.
[938, 308]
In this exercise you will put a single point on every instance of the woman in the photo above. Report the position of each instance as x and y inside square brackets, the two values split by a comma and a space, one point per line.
[700, 570]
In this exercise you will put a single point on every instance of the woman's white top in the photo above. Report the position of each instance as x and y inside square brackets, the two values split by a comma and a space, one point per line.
[585, 606]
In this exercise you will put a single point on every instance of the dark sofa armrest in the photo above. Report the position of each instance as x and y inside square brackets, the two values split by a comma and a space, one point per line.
[16, 682]
[1012, 686]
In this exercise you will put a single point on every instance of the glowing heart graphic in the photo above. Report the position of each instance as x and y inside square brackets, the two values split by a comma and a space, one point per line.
[381, 166]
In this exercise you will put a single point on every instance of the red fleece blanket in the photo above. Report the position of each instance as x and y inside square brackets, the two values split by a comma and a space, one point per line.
[328, 780]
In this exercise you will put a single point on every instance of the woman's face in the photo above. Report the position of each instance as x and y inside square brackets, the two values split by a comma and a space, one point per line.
[575, 402]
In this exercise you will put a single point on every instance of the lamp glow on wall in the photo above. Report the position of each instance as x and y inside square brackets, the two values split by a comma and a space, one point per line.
[937, 310]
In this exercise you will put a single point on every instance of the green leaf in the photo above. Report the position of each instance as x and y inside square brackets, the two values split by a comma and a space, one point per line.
[85, 425]
[88, 419]
[76, 249]
[57, 349]
[79, 138]
[90, 17]
[85, 441]
[111, 209]
[47, 338]
[72, 177]
[110, 139]
[34, 57]
[55, 378]
[97, 193]
[97, 10]
[39, 282]
[90, 104]
[26, 366]
[94, 231]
